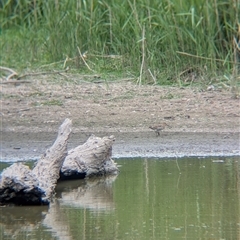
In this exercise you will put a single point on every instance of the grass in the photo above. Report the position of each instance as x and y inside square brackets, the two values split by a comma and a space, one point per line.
[154, 41]
[53, 102]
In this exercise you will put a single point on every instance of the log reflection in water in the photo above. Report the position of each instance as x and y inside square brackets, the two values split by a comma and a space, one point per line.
[95, 193]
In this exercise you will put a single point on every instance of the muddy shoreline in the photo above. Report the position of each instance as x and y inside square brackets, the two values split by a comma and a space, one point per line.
[201, 122]
[26, 146]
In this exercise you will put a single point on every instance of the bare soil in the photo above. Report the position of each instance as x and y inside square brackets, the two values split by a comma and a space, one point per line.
[201, 122]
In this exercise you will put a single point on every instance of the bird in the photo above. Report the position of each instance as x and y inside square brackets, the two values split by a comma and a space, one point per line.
[158, 128]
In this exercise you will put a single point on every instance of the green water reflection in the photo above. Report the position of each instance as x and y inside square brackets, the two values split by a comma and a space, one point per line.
[150, 199]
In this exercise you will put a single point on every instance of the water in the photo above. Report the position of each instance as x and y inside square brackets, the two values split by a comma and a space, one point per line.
[150, 199]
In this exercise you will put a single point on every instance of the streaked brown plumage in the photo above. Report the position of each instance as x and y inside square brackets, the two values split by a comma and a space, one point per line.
[158, 128]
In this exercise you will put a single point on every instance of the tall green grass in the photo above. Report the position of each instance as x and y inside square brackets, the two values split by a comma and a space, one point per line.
[155, 39]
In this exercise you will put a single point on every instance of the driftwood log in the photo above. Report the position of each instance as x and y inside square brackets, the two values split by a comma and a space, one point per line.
[93, 158]
[22, 186]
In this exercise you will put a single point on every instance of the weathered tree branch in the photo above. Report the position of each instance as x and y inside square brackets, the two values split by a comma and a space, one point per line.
[12, 72]
[15, 82]
[43, 73]
[15, 74]
[48, 167]
[23, 186]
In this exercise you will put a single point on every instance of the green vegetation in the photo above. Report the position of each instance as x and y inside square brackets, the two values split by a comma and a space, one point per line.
[161, 42]
[49, 103]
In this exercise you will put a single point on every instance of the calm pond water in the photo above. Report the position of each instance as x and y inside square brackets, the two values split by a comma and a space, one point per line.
[189, 198]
